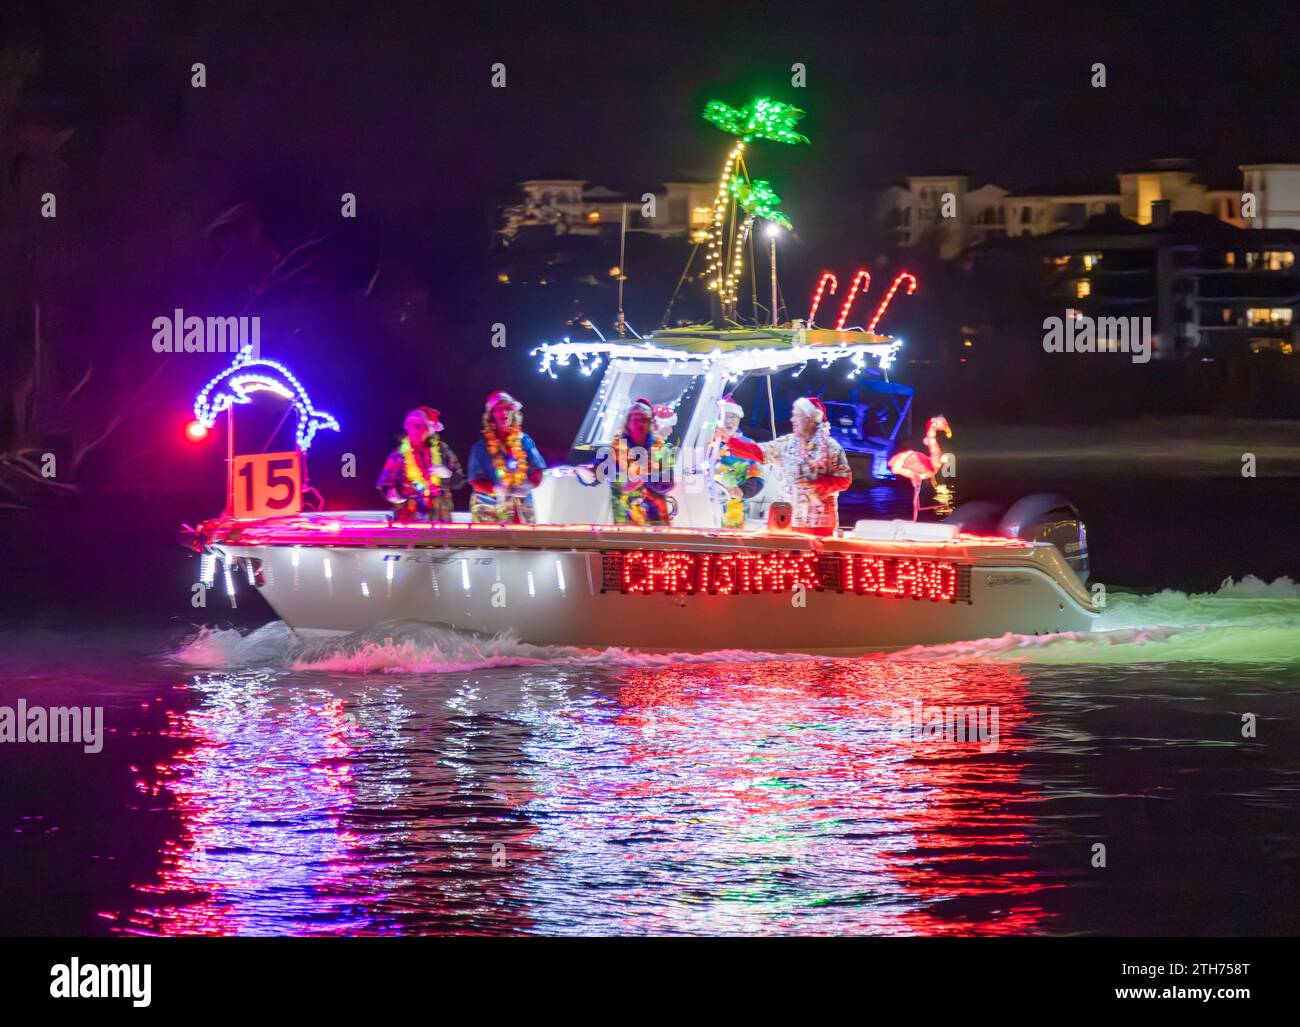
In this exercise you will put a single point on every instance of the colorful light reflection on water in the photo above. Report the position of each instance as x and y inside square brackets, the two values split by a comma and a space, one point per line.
[709, 798]
[779, 798]
[766, 797]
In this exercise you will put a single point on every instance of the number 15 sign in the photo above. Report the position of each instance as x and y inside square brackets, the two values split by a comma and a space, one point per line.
[266, 485]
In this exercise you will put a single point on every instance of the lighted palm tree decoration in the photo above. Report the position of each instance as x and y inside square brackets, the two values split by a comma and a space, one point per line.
[763, 119]
[758, 200]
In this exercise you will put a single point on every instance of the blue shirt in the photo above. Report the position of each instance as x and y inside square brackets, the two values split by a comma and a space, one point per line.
[480, 463]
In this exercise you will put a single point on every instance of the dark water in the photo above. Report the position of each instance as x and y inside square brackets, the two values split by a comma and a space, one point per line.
[429, 785]
[709, 798]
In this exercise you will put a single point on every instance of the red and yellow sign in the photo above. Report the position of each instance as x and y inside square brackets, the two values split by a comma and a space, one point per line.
[639, 572]
[266, 485]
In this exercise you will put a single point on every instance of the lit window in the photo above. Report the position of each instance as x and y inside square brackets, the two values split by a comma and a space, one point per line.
[593, 216]
[1090, 260]
[1271, 260]
[1268, 316]
[1082, 288]
[701, 217]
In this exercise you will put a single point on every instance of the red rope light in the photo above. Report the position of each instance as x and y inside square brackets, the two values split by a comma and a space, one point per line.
[863, 277]
[893, 288]
[817, 296]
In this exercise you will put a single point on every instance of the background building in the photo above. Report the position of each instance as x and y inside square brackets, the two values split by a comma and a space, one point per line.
[568, 206]
[1211, 289]
[914, 213]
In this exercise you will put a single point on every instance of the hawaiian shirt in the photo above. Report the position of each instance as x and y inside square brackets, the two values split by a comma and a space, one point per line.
[641, 478]
[435, 507]
[803, 459]
[731, 470]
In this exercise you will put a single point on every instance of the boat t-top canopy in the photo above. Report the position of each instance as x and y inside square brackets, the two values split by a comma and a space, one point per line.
[735, 350]
[686, 370]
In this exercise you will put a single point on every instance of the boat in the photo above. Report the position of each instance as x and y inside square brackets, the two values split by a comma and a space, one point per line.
[880, 587]
[575, 579]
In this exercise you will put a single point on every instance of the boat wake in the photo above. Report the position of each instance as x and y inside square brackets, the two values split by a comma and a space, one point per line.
[415, 649]
[1249, 621]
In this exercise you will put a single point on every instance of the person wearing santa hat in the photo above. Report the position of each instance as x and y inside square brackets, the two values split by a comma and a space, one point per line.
[420, 473]
[814, 469]
[735, 478]
[639, 469]
[665, 420]
[504, 466]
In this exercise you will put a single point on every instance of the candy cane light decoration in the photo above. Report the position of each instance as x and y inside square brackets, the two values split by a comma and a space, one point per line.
[826, 279]
[893, 288]
[862, 277]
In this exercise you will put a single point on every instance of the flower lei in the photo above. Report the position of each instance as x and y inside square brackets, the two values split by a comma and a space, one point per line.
[423, 481]
[511, 466]
[815, 449]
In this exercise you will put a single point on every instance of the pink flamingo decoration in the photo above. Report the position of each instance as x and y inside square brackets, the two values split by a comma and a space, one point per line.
[918, 467]
[893, 288]
[862, 277]
[826, 277]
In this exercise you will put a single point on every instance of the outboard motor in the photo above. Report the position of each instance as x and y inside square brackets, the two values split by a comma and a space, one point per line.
[1050, 518]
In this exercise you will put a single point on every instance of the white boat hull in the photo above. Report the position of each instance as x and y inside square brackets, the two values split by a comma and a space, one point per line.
[560, 585]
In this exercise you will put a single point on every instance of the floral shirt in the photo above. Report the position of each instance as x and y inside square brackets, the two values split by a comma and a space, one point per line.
[640, 479]
[437, 506]
[813, 472]
[738, 472]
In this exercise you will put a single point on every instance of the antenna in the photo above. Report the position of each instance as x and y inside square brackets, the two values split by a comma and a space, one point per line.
[622, 269]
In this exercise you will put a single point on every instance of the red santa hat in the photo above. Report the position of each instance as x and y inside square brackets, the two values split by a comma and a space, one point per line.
[642, 404]
[418, 420]
[811, 406]
[728, 405]
[499, 397]
[434, 417]
[665, 415]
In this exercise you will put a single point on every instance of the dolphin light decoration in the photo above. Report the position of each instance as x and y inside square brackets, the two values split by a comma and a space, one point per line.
[248, 374]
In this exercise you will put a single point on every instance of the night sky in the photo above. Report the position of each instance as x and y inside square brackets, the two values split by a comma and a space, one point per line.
[396, 97]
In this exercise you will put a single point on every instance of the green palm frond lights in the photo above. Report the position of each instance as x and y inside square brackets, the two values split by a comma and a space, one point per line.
[765, 118]
[758, 199]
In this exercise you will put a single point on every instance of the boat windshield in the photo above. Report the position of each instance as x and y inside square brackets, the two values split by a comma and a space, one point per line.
[670, 383]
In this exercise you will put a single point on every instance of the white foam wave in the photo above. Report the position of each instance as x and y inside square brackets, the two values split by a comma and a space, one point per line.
[1247, 621]
[415, 648]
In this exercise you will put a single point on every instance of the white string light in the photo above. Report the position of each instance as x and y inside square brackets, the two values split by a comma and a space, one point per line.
[561, 354]
[237, 383]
